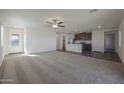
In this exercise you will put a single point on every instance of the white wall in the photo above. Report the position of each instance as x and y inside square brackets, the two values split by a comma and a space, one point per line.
[40, 40]
[1, 55]
[1, 44]
[98, 41]
[121, 41]
[0, 48]
[36, 39]
[59, 41]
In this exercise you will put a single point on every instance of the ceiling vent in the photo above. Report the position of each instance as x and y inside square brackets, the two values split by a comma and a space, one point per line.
[93, 10]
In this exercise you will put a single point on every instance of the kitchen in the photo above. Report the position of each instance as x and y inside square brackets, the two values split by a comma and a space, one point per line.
[80, 42]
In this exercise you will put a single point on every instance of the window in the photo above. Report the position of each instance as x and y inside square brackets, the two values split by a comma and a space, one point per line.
[15, 39]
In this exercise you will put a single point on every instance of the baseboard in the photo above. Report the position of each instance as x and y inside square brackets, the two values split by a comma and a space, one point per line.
[122, 61]
[35, 52]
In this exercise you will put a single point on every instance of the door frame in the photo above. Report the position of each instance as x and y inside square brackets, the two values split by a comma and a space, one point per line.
[8, 30]
[116, 39]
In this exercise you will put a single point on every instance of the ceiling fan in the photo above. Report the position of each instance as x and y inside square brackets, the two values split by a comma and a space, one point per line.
[55, 23]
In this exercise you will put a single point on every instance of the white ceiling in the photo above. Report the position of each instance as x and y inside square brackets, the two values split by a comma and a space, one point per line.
[74, 19]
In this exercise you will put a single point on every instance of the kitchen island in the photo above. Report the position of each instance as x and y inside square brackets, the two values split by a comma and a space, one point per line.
[74, 48]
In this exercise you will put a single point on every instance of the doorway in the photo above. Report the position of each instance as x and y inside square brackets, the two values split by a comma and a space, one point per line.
[14, 40]
[63, 44]
[110, 42]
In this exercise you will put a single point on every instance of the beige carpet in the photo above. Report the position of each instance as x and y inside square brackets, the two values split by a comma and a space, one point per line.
[59, 68]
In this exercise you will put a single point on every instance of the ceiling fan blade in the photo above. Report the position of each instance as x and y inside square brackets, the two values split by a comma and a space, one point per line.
[60, 23]
[49, 22]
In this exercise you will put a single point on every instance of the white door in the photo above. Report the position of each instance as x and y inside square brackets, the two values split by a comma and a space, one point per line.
[14, 41]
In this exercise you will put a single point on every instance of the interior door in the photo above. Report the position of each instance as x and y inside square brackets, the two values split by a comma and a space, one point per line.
[15, 42]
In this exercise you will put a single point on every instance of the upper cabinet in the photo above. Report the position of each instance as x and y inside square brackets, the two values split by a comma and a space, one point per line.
[83, 36]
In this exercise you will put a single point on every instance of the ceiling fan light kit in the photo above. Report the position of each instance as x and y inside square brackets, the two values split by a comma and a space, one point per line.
[55, 23]
[55, 26]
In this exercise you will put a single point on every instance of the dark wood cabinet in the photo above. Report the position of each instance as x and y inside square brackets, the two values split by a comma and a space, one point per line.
[83, 36]
[88, 36]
